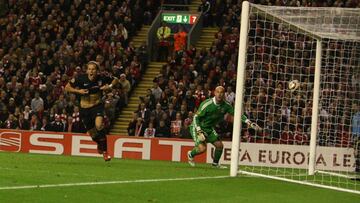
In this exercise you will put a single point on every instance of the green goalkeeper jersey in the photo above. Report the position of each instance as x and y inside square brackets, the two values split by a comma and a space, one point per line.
[209, 114]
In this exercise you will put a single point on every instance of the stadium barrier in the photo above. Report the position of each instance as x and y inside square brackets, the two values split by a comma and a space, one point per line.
[169, 149]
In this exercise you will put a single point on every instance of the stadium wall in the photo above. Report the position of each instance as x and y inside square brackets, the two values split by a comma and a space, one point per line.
[254, 154]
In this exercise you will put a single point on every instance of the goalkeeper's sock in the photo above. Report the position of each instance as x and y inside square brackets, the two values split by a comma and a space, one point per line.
[217, 155]
[194, 152]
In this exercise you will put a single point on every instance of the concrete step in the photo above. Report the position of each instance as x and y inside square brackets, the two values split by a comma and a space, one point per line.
[146, 86]
[142, 88]
[155, 72]
[132, 109]
[151, 74]
[139, 40]
[204, 42]
[148, 79]
[207, 36]
[121, 123]
[118, 132]
[133, 105]
[126, 112]
[124, 119]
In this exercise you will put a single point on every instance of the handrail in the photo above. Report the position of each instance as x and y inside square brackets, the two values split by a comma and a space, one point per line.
[152, 33]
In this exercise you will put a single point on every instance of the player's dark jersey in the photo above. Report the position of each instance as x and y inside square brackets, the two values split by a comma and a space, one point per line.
[83, 82]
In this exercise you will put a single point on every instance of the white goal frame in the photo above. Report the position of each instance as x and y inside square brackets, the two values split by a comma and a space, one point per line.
[241, 72]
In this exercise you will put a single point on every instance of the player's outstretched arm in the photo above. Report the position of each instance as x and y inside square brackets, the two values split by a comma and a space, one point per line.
[106, 87]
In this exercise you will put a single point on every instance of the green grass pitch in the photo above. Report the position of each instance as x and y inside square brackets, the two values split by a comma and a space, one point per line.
[51, 178]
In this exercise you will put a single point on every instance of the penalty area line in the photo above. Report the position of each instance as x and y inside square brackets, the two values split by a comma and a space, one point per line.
[108, 182]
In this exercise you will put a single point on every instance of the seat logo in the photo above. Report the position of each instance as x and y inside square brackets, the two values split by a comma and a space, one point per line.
[10, 141]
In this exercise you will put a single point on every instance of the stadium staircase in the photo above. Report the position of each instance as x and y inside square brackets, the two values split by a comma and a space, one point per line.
[193, 7]
[141, 36]
[207, 38]
[153, 69]
[126, 114]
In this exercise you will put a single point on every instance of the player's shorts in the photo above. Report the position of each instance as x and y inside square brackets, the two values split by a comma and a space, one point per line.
[88, 115]
[211, 135]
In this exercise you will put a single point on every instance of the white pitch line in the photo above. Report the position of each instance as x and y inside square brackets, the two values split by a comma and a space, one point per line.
[108, 182]
[336, 174]
[48, 172]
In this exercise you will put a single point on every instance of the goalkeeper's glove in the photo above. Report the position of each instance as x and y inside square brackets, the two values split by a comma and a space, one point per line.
[253, 125]
[200, 134]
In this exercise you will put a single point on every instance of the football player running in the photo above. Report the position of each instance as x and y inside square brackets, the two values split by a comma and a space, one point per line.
[90, 87]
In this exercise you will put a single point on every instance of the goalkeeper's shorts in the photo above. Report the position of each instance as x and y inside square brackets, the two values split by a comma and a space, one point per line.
[211, 135]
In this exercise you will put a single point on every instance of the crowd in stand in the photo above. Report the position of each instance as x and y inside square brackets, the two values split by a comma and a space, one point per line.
[190, 75]
[43, 45]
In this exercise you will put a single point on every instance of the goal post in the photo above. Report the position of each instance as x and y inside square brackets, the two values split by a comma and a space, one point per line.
[306, 133]
[239, 89]
[315, 109]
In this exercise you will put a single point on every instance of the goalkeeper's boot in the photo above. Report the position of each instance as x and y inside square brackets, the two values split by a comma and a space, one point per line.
[217, 165]
[190, 159]
[106, 156]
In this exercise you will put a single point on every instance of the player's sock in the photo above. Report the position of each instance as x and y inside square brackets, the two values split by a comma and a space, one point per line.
[101, 140]
[194, 152]
[217, 155]
[92, 133]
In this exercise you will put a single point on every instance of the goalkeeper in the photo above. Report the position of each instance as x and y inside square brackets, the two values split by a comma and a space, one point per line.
[211, 112]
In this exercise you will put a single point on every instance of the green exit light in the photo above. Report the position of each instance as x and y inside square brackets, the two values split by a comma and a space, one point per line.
[179, 18]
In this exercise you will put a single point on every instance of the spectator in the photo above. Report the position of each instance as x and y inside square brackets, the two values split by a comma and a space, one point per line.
[156, 91]
[46, 126]
[22, 123]
[57, 125]
[132, 124]
[121, 34]
[77, 125]
[125, 86]
[171, 112]
[149, 99]
[139, 127]
[162, 130]
[11, 122]
[143, 112]
[68, 127]
[190, 101]
[35, 124]
[356, 135]
[11, 106]
[356, 122]
[230, 95]
[158, 112]
[184, 131]
[110, 105]
[150, 131]
[180, 40]
[37, 104]
[176, 125]
[27, 113]
[163, 35]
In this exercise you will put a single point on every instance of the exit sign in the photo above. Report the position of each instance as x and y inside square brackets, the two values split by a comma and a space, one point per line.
[179, 18]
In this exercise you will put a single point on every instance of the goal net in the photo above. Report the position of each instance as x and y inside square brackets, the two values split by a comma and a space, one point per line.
[311, 134]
